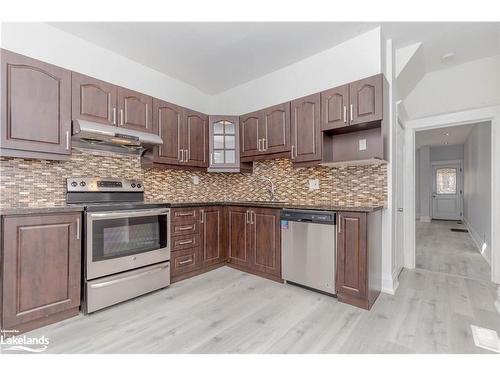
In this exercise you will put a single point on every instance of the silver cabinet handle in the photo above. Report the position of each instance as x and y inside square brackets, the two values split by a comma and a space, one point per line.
[345, 113]
[247, 214]
[121, 117]
[190, 213]
[258, 144]
[185, 228]
[252, 217]
[351, 112]
[264, 144]
[186, 152]
[202, 219]
[190, 260]
[340, 223]
[292, 150]
[67, 139]
[147, 116]
[114, 116]
[131, 277]
[185, 242]
[211, 158]
[180, 155]
[78, 228]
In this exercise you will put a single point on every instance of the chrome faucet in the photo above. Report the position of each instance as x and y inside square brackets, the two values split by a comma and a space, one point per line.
[271, 188]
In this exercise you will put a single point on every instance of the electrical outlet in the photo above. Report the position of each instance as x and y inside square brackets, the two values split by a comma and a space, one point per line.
[196, 180]
[362, 144]
[313, 184]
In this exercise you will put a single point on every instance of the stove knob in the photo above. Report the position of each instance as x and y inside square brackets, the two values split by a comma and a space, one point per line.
[139, 186]
[74, 183]
[82, 183]
[132, 184]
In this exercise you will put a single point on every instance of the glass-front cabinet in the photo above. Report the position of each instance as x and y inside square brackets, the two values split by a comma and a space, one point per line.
[224, 144]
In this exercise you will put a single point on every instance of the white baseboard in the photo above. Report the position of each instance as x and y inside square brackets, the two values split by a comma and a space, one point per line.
[390, 283]
[425, 219]
[476, 238]
[497, 302]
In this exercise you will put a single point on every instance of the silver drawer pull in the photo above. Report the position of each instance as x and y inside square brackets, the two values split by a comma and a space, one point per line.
[186, 261]
[191, 213]
[123, 279]
[185, 228]
[185, 242]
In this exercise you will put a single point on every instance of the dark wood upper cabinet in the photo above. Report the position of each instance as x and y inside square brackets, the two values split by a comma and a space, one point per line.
[35, 108]
[93, 100]
[135, 110]
[224, 145]
[251, 131]
[239, 238]
[212, 235]
[266, 240]
[168, 123]
[196, 139]
[366, 101]
[41, 268]
[334, 108]
[275, 129]
[306, 129]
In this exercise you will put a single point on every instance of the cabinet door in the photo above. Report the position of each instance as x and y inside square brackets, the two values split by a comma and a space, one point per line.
[41, 266]
[135, 110]
[239, 241]
[250, 143]
[351, 255]
[196, 139]
[36, 105]
[334, 108]
[93, 100]
[224, 143]
[212, 244]
[306, 130]
[276, 125]
[168, 124]
[366, 100]
[266, 240]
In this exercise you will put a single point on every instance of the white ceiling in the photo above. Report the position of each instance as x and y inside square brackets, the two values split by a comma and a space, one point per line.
[448, 136]
[217, 56]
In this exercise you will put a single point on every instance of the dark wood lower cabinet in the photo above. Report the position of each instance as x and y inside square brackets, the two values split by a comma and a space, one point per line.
[41, 269]
[359, 255]
[212, 250]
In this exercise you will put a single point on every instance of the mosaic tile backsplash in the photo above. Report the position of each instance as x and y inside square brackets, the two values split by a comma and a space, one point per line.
[35, 183]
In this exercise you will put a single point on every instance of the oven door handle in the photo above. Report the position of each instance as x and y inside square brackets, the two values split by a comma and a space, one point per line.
[125, 214]
[131, 277]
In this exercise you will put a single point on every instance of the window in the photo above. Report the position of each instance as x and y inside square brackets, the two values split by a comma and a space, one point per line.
[446, 181]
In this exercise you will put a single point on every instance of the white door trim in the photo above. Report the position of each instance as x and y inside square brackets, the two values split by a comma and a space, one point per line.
[460, 184]
[439, 121]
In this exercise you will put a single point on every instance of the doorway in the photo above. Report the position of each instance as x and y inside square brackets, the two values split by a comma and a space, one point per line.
[447, 192]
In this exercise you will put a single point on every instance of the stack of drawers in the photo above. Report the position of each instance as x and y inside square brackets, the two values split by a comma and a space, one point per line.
[185, 242]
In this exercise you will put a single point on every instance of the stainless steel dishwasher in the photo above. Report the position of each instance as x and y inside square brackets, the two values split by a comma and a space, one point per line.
[308, 248]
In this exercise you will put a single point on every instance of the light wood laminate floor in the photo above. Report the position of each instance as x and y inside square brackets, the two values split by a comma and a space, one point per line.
[441, 250]
[229, 311]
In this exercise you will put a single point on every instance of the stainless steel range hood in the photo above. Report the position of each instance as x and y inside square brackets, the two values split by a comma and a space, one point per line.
[97, 136]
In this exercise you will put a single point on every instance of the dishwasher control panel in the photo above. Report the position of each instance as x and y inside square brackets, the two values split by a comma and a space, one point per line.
[312, 216]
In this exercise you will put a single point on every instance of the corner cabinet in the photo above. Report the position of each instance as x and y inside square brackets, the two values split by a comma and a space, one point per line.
[359, 257]
[36, 108]
[41, 269]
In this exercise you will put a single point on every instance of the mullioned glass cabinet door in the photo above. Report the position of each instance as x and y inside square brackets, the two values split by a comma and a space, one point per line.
[224, 144]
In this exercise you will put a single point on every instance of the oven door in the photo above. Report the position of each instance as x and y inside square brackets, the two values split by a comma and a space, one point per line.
[122, 240]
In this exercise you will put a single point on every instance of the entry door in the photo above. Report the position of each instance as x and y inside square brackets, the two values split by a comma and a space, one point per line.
[447, 191]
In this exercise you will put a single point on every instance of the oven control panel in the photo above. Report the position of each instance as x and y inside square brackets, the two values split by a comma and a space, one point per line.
[97, 184]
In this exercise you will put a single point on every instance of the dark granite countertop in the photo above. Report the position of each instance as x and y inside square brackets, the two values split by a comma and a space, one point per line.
[40, 210]
[324, 207]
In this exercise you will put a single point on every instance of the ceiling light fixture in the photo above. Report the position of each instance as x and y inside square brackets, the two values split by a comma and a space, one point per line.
[447, 56]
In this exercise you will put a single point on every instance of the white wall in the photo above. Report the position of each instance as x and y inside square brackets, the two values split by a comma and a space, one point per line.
[46, 43]
[444, 153]
[462, 87]
[354, 59]
[477, 186]
[417, 185]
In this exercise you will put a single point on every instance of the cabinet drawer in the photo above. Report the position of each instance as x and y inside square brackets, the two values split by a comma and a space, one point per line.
[184, 261]
[184, 214]
[185, 242]
[184, 228]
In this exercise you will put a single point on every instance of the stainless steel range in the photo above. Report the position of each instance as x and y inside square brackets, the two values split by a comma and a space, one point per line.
[126, 241]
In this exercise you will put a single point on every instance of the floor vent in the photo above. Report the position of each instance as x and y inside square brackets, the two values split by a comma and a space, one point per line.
[459, 230]
[459, 222]
[486, 338]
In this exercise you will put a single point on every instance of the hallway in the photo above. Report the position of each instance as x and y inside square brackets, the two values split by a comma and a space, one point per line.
[439, 249]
